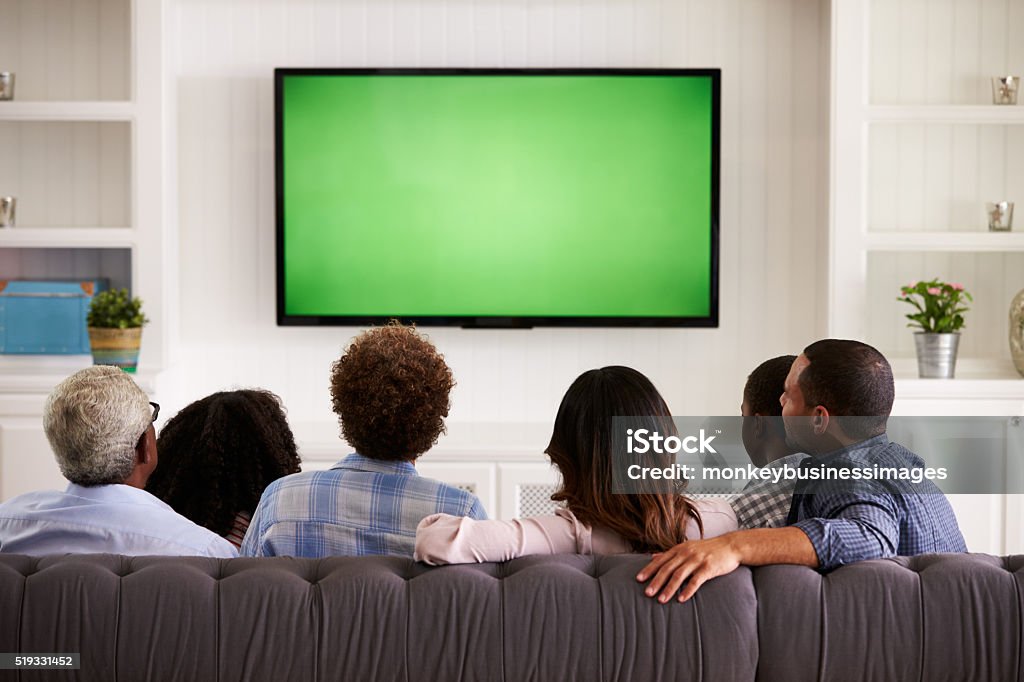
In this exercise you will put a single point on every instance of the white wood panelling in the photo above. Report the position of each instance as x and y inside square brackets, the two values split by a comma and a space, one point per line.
[774, 195]
[943, 51]
[67, 263]
[67, 174]
[67, 49]
[936, 177]
[992, 278]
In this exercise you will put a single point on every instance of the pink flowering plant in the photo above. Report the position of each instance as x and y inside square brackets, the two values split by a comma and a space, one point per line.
[938, 305]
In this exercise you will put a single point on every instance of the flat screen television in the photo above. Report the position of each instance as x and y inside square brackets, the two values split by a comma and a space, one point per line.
[494, 198]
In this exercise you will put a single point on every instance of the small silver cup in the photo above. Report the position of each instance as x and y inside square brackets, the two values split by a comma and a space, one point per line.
[1004, 89]
[6, 85]
[1000, 216]
[7, 206]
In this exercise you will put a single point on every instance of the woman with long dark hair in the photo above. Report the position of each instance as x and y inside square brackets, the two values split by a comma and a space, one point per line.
[594, 519]
[218, 454]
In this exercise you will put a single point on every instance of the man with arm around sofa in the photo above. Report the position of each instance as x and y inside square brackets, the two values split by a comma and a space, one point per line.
[837, 399]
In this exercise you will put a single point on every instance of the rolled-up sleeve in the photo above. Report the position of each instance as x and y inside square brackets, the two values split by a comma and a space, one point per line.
[846, 528]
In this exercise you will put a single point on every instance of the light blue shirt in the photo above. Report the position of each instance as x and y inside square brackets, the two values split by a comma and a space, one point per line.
[102, 519]
[359, 506]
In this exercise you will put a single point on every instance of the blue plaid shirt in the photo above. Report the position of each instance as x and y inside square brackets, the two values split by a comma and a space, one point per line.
[359, 506]
[850, 521]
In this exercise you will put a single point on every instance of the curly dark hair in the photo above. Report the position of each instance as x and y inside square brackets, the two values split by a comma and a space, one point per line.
[218, 454]
[766, 384]
[390, 391]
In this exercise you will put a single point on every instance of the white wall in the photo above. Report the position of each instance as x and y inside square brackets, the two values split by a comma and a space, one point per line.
[773, 54]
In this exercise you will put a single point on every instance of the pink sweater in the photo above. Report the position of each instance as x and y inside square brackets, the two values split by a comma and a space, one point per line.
[445, 539]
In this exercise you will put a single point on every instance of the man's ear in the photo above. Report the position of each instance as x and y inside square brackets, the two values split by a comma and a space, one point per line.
[820, 420]
[144, 450]
[759, 425]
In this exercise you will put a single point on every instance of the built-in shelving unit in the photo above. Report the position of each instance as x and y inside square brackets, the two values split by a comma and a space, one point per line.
[85, 155]
[86, 148]
[918, 149]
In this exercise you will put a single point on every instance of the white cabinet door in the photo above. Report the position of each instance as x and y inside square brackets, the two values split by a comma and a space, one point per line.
[525, 489]
[478, 479]
[981, 521]
[26, 462]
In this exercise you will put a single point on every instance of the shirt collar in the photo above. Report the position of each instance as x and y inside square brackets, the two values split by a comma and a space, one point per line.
[115, 492]
[881, 439]
[357, 462]
[790, 460]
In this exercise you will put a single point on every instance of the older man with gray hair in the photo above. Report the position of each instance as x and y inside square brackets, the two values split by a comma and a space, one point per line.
[100, 426]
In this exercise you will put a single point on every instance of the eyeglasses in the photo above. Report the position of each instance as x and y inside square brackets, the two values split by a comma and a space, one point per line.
[156, 411]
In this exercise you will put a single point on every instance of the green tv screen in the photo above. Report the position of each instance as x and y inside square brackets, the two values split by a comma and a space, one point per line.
[497, 198]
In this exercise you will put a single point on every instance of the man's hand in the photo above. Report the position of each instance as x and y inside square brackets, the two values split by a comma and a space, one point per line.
[701, 560]
[696, 560]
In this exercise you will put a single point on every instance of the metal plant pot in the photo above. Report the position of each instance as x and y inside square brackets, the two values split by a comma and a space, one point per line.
[936, 354]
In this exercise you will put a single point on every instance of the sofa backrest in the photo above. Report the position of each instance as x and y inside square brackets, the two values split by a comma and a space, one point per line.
[929, 617]
[536, 618]
[371, 618]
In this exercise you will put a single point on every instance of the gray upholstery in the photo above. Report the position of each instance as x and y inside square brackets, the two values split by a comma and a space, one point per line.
[944, 617]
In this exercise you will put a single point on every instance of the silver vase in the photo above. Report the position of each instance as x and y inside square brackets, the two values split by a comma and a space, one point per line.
[1017, 331]
[936, 354]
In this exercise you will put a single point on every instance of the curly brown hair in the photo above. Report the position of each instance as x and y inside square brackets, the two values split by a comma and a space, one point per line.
[390, 391]
[218, 454]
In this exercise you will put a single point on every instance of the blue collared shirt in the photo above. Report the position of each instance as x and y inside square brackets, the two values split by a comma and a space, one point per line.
[359, 506]
[848, 522]
[108, 519]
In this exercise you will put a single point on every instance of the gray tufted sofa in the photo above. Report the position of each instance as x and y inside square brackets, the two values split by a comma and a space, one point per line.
[941, 617]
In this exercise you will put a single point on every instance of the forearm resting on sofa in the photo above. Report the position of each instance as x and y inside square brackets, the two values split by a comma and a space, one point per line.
[697, 561]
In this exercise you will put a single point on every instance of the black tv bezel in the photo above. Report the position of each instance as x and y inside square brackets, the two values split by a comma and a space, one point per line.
[496, 321]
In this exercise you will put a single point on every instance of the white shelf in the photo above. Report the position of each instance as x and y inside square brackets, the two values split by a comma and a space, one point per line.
[976, 378]
[38, 374]
[67, 237]
[67, 111]
[986, 114]
[960, 388]
[976, 241]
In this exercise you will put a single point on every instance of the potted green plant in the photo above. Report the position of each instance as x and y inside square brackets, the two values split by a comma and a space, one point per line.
[938, 314]
[115, 322]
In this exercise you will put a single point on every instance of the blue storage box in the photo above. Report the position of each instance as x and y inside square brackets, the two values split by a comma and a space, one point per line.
[45, 317]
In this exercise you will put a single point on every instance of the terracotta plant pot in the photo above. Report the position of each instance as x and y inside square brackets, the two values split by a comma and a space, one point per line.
[118, 347]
